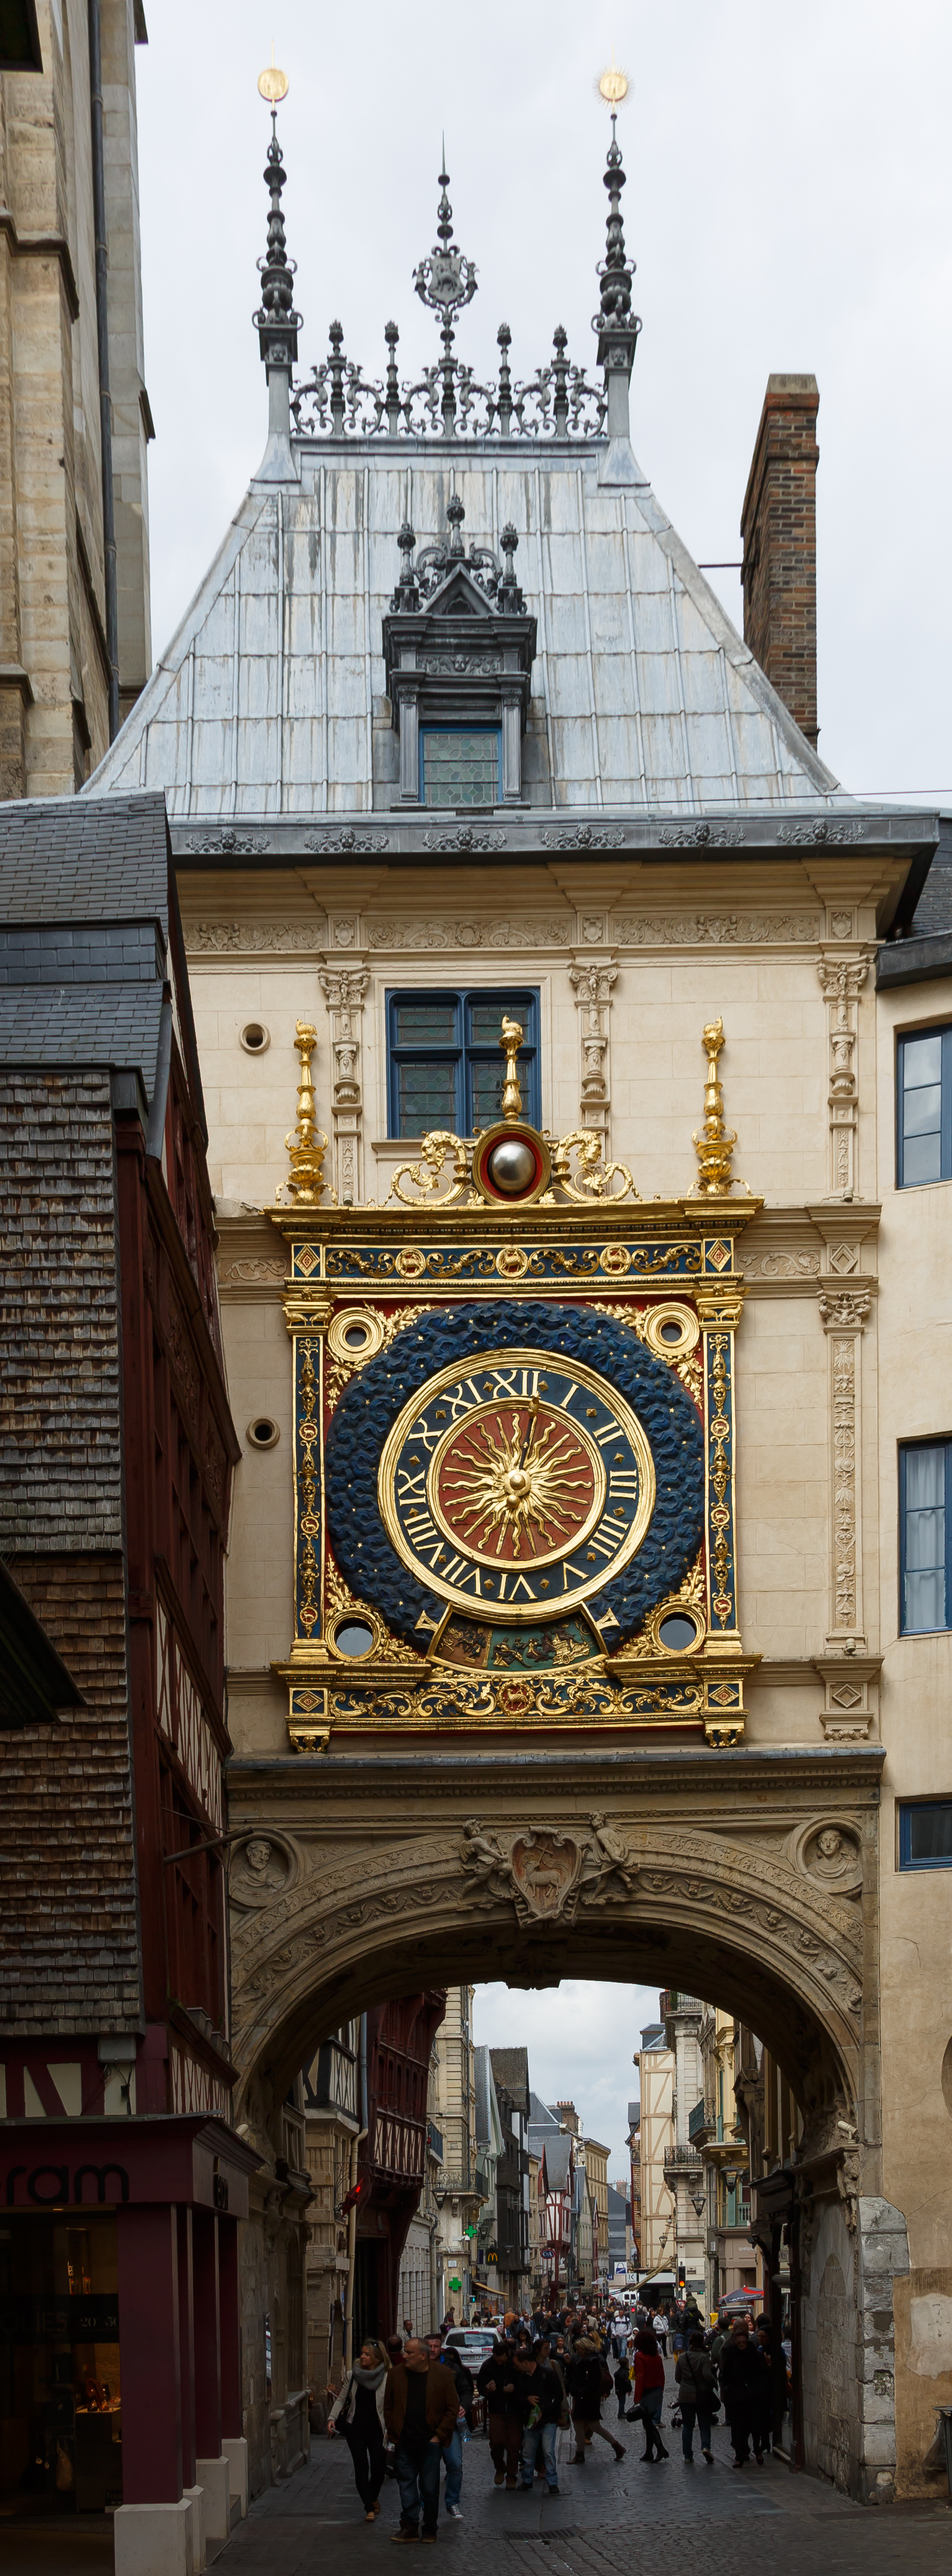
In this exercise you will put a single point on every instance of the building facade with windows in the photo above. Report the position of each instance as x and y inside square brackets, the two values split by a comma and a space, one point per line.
[456, 2184]
[717, 2133]
[416, 778]
[75, 639]
[683, 2168]
[656, 2072]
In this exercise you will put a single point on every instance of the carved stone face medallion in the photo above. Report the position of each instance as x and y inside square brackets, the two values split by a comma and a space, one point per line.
[544, 1868]
[261, 1868]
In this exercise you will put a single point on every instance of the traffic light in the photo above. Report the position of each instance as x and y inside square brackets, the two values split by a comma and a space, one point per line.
[351, 2199]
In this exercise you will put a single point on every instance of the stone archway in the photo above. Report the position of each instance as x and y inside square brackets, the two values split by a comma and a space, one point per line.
[747, 1879]
[763, 1897]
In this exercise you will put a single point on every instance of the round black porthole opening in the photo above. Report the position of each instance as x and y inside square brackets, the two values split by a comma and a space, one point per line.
[255, 1037]
[670, 1332]
[678, 1634]
[354, 1637]
[356, 1336]
[262, 1432]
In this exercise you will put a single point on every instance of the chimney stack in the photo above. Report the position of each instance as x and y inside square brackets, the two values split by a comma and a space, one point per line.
[778, 528]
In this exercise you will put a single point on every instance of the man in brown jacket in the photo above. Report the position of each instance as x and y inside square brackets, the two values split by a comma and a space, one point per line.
[420, 2410]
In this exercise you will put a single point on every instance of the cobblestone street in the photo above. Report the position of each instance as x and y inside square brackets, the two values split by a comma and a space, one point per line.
[608, 2520]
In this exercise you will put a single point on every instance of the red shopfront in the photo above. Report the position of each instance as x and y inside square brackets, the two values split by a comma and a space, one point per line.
[120, 2356]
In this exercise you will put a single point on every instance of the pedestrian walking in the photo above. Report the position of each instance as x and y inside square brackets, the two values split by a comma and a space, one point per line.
[452, 2359]
[742, 2371]
[539, 2396]
[622, 2379]
[697, 2387]
[359, 2414]
[496, 2383]
[649, 2394]
[420, 2409]
[659, 2327]
[588, 2381]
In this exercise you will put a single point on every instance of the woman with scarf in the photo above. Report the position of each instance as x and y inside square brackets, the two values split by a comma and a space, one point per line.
[359, 2412]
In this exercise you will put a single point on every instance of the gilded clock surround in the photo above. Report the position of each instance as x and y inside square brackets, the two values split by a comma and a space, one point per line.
[468, 1377]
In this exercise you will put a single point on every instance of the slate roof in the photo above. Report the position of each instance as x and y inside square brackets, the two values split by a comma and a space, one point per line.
[72, 860]
[269, 700]
[84, 926]
[511, 2067]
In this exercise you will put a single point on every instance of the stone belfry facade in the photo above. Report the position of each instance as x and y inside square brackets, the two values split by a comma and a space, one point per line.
[75, 644]
[566, 1583]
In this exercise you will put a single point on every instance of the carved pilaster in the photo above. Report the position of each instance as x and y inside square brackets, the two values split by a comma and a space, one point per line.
[844, 1313]
[343, 988]
[593, 980]
[719, 1310]
[842, 979]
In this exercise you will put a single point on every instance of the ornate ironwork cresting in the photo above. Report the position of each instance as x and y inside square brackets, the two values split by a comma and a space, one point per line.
[446, 401]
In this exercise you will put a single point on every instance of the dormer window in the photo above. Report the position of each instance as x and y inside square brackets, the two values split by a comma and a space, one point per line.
[460, 765]
[459, 648]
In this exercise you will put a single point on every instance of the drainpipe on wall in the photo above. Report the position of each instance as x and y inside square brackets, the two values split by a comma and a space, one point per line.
[102, 342]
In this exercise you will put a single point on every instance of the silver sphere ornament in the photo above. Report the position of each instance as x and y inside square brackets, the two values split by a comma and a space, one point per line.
[511, 1167]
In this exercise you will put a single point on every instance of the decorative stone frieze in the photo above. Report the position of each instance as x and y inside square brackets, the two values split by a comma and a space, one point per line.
[844, 1313]
[343, 988]
[715, 929]
[255, 938]
[593, 980]
[419, 932]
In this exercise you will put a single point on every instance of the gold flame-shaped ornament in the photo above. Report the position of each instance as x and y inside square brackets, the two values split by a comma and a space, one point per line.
[307, 1145]
[715, 1144]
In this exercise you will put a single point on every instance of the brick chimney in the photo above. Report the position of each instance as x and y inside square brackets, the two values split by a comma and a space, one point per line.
[778, 528]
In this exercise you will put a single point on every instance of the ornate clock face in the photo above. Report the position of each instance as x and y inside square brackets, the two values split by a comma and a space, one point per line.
[522, 1487]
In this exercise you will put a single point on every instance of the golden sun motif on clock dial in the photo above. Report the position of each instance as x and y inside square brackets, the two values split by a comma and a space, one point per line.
[516, 1484]
[522, 1487]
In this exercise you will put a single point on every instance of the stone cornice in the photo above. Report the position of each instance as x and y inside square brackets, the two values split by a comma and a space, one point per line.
[851, 833]
[743, 1771]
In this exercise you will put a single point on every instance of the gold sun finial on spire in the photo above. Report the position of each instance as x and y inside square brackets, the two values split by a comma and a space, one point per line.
[613, 85]
[273, 83]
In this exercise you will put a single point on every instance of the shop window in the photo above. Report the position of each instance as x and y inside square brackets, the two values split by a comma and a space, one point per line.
[60, 2409]
[924, 1122]
[925, 1535]
[925, 1834]
[445, 1064]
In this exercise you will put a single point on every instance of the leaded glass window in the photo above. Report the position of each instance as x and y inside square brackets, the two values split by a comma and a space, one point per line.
[446, 1065]
[459, 765]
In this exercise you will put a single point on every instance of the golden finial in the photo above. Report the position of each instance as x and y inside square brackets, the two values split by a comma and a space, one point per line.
[715, 1145]
[511, 1041]
[613, 86]
[307, 1149]
[273, 83]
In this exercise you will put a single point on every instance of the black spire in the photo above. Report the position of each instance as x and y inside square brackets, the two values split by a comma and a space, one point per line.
[276, 321]
[616, 324]
[446, 281]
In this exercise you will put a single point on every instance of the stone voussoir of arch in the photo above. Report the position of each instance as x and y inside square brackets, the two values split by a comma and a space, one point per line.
[803, 1935]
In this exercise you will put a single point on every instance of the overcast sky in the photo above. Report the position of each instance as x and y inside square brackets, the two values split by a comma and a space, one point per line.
[581, 2040]
[788, 205]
